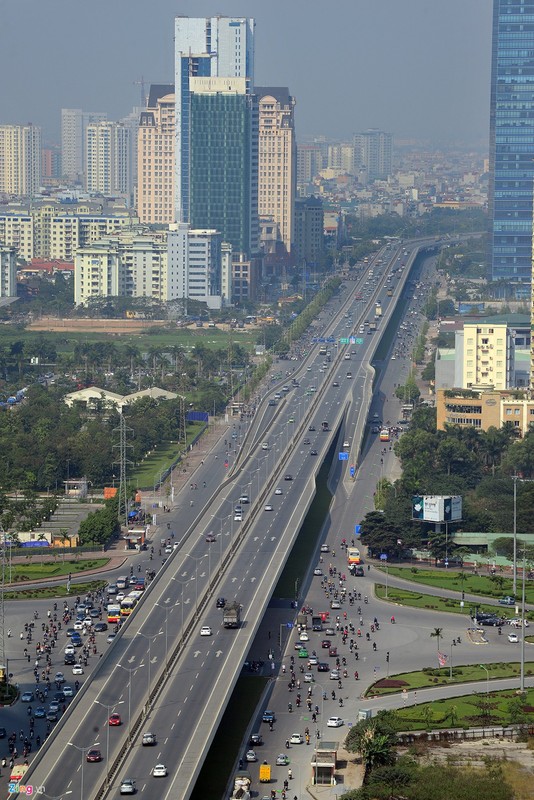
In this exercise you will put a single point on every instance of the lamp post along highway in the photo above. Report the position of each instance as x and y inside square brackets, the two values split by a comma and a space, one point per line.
[522, 681]
[146, 636]
[166, 608]
[83, 751]
[514, 478]
[130, 670]
[108, 710]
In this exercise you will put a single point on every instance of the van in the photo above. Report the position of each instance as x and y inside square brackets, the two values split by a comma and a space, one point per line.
[265, 445]
[122, 582]
[244, 499]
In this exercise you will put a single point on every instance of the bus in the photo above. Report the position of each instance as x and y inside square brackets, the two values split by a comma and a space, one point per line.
[353, 556]
[114, 613]
[384, 435]
[127, 606]
[122, 582]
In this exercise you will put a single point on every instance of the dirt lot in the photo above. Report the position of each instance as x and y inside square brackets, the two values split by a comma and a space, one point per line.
[95, 325]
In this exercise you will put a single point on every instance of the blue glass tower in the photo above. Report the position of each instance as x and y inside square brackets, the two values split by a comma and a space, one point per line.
[512, 144]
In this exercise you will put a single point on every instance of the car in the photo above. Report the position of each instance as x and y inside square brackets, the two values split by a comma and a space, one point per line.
[256, 739]
[221, 602]
[374, 429]
[334, 722]
[127, 786]
[325, 644]
[112, 589]
[332, 652]
[312, 428]
[27, 697]
[69, 650]
[51, 716]
[291, 419]
[509, 600]
[211, 537]
[159, 771]
[77, 669]
[303, 636]
[518, 623]
[288, 477]
[39, 712]
[68, 691]
[313, 661]
[120, 596]
[59, 697]
[335, 604]
[330, 631]
[100, 627]
[278, 491]
[317, 571]
[59, 677]
[76, 639]
[308, 677]
[94, 613]
[93, 756]
[168, 550]
[268, 716]
[282, 760]
[306, 441]
[110, 637]
[251, 756]
[325, 548]
[268, 507]
[238, 517]
[296, 738]
[336, 384]
[334, 674]
[513, 637]
[298, 645]
[491, 622]
[70, 632]
[303, 653]
[115, 719]
[149, 739]
[205, 630]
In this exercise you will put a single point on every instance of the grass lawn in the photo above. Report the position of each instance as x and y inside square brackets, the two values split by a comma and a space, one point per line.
[428, 677]
[470, 711]
[484, 585]
[41, 593]
[34, 571]
[148, 473]
[404, 597]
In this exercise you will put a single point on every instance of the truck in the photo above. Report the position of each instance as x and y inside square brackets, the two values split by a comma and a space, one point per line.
[242, 781]
[317, 624]
[302, 622]
[265, 773]
[378, 310]
[232, 615]
[324, 426]
[372, 327]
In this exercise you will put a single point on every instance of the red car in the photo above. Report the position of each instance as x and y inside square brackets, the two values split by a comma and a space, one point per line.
[115, 719]
[94, 755]
[332, 651]
[325, 644]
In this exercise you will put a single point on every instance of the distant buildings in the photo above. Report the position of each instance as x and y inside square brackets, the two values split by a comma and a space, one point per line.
[108, 159]
[309, 231]
[512, 145]
[74, 124]
[155, 157]
[8, 271]
[20, 160]
[372, 155]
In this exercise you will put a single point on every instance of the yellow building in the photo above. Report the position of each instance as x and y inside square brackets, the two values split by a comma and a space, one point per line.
[20, 160]
[155, 157]
[277, 160]
[484, 409]
[487, 356]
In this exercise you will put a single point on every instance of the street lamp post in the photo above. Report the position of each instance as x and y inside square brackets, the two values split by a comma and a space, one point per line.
[522, 681]
[108, 709]
[515, 478]
[83, 751]
[182, 584]
[130, 670]
[487, 679]
[166, 608]
[146, 636]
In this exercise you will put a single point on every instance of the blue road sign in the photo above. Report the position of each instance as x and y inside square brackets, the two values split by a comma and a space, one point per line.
[383, 556]
[352, 472]
[289, 624]
[357, 530]
[343, 456]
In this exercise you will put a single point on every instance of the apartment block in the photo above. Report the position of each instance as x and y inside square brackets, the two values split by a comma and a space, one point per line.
[198, 266]
[309, 162]
[155, 157]
[488, 356]
[373, 155]
[74, 122]
[8, 271]
[309, 231]
[108, 159]
[20, 160]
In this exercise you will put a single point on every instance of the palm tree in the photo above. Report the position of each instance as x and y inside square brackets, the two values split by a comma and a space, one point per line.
[376, 749]
[437, 634]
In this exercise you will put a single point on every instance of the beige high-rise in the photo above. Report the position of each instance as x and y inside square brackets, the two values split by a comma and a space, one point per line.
[277, 160]
[155, 158]
[20, 160]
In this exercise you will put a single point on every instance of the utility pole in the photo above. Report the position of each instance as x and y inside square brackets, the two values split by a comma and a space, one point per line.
[123, 430]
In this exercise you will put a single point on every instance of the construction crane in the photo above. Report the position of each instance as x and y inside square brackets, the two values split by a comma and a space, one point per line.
[141, 83]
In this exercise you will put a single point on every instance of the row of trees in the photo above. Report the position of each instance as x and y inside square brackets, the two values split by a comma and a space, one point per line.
[475, 464]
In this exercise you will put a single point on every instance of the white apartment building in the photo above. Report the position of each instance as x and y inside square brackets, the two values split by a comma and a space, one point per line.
[199, 264]
[20, 160]
[8, 271]
[16, 230]
[108, 159]
[485, 356]
[373, 155]
[74, 124]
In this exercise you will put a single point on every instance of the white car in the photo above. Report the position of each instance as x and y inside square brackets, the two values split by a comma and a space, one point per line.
[77, 669]
[303, 636]
[69, 650]
[317, 571]
[79, 625]
[513, 637]
[308, 677]
[334, 675]
[278, 491]
[296, 738]
[159, 771]
[325, 548]
[268, 507]
[120, 596]
[334, 722]
[205, 630]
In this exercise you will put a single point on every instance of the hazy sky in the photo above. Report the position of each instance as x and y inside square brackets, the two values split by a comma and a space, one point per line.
[417, 68]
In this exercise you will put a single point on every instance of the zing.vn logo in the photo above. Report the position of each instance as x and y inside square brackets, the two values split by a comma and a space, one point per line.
[21, 788]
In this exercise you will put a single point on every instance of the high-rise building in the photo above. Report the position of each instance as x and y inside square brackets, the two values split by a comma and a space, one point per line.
[309, 231]
[74, 124]
[20, 160]
[108, 158]
[372, 155]
[277, 160]
[223, 160]
[198, 265]
[216, 122]
[8, 271]
[511, 144]
[155, 158]
[309, 162]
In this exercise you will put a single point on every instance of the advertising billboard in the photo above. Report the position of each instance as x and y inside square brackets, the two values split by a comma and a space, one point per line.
[437, 508]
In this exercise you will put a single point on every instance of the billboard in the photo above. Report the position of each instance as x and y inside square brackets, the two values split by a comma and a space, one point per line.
[437, 508]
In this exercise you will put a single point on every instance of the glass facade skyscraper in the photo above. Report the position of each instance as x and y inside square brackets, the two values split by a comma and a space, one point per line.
[512, 144]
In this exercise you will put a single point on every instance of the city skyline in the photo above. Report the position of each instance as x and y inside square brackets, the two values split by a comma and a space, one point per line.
[416, 69]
